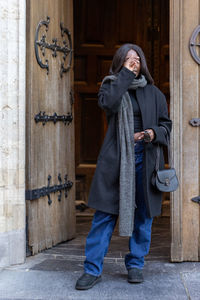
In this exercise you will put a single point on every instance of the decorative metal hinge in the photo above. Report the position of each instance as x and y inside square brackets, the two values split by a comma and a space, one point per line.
[195, 122]
[193, 43]
[47, 190]
[66, 119]
[42, 117]
[196, 199]
[66, 49]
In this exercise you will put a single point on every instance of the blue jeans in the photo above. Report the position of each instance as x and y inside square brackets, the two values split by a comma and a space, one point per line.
[103, 225]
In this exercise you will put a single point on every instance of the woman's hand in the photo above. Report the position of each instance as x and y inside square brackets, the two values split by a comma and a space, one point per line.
[132, 65]
[138, 136]
[132, 62]
[151, 133]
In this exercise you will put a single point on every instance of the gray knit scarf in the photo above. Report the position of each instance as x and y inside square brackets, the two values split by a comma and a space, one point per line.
[127, 160]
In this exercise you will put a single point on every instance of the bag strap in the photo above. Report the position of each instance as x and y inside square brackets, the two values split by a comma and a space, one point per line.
[168, 152]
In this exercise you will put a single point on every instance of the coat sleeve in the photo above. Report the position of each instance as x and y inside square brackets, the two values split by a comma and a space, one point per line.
[110, 93]
[163, 129]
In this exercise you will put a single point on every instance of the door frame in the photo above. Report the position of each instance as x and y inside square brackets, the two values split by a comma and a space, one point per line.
[184, 86]
[179, 11]
[180, 202]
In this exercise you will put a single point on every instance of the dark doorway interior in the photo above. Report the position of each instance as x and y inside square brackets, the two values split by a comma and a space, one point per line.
[100, 27]
[160, 245]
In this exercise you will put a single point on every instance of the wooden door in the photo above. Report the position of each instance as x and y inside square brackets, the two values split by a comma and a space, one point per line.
[185, 105]
[49, 143]
[100, 28]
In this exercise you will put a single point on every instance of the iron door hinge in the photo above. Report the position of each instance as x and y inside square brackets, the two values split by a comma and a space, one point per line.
[47, 190]
[41, 45]
[194, 43]
[44, 118]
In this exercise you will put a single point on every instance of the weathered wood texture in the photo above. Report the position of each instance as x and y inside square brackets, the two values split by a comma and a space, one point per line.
[185, 105]
[100, 28]
[49, 148]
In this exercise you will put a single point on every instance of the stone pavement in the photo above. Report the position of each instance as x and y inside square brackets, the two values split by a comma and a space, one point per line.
[51, 275]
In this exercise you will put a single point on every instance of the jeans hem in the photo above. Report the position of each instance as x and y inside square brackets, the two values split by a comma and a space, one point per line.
[134, 267]
[90, 273]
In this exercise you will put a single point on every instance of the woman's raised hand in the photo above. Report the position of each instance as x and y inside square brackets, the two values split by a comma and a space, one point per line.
[132, 62]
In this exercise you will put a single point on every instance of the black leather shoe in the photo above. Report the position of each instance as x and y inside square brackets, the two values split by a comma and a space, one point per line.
[87, 281]
[135, 275]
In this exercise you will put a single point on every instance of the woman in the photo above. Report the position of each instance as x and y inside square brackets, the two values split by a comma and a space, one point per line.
[137, 121]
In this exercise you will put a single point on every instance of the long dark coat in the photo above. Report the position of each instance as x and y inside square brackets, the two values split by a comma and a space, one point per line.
[104, 192]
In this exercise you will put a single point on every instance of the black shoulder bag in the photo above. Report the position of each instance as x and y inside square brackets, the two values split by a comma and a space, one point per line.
[165, 180]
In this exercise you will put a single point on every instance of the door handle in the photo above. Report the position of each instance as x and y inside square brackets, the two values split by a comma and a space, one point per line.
[195, 122]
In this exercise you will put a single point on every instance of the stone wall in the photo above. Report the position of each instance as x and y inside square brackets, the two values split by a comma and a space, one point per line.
[12, 131]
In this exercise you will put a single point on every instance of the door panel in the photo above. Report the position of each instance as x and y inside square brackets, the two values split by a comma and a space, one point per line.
[50, 146]
[100, 28]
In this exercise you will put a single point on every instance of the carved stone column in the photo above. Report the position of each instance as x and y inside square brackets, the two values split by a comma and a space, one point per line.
[184, 105]
[12, 131]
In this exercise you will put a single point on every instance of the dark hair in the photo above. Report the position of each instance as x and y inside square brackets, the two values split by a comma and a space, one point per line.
[119, 58]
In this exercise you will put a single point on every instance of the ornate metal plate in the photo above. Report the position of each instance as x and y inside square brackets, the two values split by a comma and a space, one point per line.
[42, 44]
[194, 44]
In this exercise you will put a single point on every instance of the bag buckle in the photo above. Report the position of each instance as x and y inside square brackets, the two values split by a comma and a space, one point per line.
[167, 182]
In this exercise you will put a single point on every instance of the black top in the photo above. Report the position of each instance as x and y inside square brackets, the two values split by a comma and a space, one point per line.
[136, 111]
